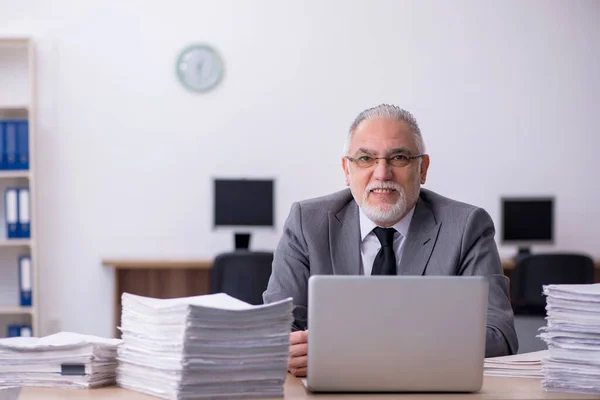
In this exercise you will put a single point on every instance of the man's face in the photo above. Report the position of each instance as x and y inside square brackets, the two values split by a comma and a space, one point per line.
[384, 192]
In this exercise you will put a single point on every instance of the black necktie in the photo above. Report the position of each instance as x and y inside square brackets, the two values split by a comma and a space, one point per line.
[385, 261]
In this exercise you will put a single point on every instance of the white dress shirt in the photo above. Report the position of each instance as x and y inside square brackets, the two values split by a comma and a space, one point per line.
[370, 245]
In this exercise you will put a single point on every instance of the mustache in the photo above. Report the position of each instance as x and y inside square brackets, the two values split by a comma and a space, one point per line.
[383, 185]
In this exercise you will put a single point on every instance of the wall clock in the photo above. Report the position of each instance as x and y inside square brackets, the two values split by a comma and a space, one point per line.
[199, 68]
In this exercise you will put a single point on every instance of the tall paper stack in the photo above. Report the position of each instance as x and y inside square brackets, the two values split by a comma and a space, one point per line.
[212, 346]
[573, 338]
[65, 359]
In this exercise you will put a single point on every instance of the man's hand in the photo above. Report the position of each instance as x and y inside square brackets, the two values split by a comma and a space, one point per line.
[298, 353]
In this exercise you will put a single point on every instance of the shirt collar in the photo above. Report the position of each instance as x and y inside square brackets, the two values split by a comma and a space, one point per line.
[367, 226]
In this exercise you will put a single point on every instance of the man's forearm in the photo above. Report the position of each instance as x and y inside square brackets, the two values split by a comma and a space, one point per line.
[495, 343]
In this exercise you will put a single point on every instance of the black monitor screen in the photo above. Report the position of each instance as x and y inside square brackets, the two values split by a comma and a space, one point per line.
[527, 220]
[243, 202]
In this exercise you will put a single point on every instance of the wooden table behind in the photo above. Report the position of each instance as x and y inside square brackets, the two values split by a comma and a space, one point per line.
[161, 279]
[179, 278]
[493, 388]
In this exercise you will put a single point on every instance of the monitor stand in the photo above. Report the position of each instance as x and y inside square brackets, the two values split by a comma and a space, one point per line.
[242, 241]
[523, 252]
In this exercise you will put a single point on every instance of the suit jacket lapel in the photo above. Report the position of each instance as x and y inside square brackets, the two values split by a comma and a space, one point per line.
[422, 235]
[344, 240]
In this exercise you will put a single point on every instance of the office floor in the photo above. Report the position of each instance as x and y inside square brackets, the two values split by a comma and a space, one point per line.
[527, 328]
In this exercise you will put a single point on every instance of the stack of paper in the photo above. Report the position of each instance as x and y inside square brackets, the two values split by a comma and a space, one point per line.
[212, 346]
[62, 360]
[573, 338]
[526, 365]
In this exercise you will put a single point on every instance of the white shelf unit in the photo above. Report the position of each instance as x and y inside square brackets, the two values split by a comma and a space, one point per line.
[14, 174]
[16, 310]
[17, 101]
[16, 243]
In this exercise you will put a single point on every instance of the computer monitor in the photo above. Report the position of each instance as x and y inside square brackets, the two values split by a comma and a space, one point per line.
[527, 221]
[243, 203]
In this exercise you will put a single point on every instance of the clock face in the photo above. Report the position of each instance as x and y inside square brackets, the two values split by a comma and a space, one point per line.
[199, 68]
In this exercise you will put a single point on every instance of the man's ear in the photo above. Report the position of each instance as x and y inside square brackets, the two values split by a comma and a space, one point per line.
[424, 167]
[346, 170]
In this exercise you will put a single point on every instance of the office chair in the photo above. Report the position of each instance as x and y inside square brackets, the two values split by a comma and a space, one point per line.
[242, 274]
[529, 304]
[534, 271]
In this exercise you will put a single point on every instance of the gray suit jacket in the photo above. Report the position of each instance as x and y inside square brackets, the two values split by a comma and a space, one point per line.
[445, 237]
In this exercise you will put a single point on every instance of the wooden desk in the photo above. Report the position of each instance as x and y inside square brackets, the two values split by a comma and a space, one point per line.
[493, 388]
[161, 279]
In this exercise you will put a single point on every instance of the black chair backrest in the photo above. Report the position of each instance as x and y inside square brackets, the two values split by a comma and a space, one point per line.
[242, 274]
[534, 271]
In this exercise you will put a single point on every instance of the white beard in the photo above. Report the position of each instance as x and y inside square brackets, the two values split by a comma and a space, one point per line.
[384, 213]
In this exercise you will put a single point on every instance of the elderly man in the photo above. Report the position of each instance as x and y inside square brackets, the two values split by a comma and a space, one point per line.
[385, 224]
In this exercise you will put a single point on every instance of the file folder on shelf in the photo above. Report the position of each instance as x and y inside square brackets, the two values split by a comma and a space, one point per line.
[2, 149]
[14, 138]
[11, 212]
[10, 144]
[22, 145]
[25, 281]
[19, 330]
[24, 222]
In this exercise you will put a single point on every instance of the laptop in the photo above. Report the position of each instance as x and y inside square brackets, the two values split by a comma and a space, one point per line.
[396, 333]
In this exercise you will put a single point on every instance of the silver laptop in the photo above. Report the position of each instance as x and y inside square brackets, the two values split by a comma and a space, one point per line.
[396, 333]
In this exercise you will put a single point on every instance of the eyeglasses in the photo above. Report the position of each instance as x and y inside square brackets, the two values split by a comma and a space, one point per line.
[398, 160]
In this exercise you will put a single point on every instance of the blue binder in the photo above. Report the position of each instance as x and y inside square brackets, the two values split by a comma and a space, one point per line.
[24, 221]
[2, 150]
[19, 330]
[14, 331]
[22, 145]
[10, 143]
[11, 212]
[25, 280]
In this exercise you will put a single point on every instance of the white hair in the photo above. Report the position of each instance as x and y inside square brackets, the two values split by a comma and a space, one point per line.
[387, 111]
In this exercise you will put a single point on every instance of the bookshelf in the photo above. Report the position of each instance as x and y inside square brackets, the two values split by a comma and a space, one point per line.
[17, 102]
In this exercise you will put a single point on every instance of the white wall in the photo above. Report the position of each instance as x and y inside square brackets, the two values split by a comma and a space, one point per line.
[506, 93]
